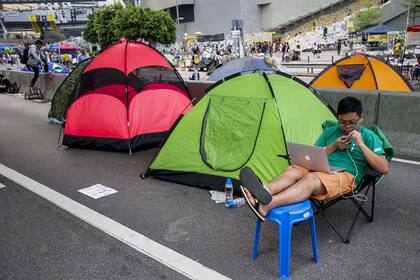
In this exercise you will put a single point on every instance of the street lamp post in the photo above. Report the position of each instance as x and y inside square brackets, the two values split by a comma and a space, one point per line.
[406, 26]
[177, 21]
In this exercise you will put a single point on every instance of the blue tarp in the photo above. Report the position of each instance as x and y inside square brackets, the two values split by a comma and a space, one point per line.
[5, 45]
[379, 29]
[241, 65]
[52, 68]
[53, 47]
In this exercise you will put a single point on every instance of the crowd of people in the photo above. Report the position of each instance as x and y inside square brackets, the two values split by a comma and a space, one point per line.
[276, 46]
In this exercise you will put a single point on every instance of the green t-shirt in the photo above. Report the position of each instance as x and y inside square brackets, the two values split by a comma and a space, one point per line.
[341, 158]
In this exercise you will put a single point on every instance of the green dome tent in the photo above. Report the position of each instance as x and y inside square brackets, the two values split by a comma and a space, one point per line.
[243, 120]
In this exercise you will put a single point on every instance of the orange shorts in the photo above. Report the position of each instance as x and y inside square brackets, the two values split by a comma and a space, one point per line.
[331, 182]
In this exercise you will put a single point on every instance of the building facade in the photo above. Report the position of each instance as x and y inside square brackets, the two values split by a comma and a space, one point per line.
[215, 16]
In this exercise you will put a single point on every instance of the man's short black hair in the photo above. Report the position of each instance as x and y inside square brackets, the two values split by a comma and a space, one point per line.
[349, 105]
[39, 41]
[1, 75]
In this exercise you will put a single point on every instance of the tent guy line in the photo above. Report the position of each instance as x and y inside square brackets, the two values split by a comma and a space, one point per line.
[139, 242]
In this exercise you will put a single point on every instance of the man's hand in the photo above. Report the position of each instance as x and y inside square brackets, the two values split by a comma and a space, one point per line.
[357, 136]
[342, 142]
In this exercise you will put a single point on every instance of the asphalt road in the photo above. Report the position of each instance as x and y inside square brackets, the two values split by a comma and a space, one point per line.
[41, 241]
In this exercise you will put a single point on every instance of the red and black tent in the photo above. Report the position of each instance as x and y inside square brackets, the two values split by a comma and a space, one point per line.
[128, 97]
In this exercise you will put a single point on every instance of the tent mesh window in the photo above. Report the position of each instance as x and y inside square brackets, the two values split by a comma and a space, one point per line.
[350, 73]
[139, 78]
[102, 80]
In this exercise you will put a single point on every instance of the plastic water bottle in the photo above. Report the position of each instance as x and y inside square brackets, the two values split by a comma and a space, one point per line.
[229, 190]
[238, 202]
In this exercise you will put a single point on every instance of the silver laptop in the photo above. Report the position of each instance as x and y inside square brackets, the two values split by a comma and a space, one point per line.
[311, 157]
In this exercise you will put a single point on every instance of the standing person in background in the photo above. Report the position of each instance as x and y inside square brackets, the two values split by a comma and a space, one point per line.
[82, 56]
[416, 70]
[283, 51]
[346, 49]
[35, 59]
[274, 47]
[196, 65]
[67, 60]
[299, 51]
[338, 47]
[15, 58]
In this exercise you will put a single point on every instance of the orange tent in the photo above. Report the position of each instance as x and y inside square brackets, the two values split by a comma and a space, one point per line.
[361, 72]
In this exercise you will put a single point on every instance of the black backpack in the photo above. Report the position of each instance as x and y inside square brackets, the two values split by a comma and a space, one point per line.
[24, 58]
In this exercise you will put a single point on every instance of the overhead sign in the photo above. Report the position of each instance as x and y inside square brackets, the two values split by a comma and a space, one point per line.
[61, 15]
[236, 34]
[34, 22]
[211, 38]
[40, 1]
[237, 23]
[51, 21]
[10, 14]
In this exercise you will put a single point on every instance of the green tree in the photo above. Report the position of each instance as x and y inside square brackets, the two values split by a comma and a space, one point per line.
[414, 8]
[89, 33]
[111, 23]
[369, 16]
[102, 24]
[154, 26]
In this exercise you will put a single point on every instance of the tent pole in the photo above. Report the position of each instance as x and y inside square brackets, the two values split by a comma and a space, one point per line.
[126, 97]
[278, 112]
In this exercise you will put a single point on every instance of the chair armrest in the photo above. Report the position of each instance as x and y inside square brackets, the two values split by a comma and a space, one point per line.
[372, 172]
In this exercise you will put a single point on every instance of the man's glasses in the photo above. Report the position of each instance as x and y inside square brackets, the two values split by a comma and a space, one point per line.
[349, 123]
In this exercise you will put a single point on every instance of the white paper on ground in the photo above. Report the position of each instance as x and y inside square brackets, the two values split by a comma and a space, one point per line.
[218, 197]
[97, 191]
[2, 186]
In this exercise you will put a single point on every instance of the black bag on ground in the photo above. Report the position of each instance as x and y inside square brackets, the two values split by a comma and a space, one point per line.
[13, 88]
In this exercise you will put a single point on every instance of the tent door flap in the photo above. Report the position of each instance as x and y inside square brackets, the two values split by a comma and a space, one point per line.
[230, 131]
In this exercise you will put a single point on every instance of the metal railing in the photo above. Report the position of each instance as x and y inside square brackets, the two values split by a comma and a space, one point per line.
[309, 66]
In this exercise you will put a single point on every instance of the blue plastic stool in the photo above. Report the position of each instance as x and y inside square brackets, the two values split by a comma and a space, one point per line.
[285, 217]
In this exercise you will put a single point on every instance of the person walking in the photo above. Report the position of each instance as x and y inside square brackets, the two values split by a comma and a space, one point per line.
[34, 60]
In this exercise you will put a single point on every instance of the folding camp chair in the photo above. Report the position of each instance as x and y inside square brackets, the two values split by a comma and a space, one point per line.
[368, 182]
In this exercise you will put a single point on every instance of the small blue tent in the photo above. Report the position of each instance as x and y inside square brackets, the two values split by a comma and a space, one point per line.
[245, 65]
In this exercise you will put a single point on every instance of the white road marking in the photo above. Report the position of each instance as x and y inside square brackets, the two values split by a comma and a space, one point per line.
[406, 161]
[141, 243]
[2, 186]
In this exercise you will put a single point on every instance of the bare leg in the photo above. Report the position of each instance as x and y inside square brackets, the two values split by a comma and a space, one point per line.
[301, 190]
[290, 176]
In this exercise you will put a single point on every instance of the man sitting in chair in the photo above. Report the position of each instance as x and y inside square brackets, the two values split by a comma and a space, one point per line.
[349, 146]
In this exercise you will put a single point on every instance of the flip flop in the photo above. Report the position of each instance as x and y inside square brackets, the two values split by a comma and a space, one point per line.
[252, 183]
[253, 208]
